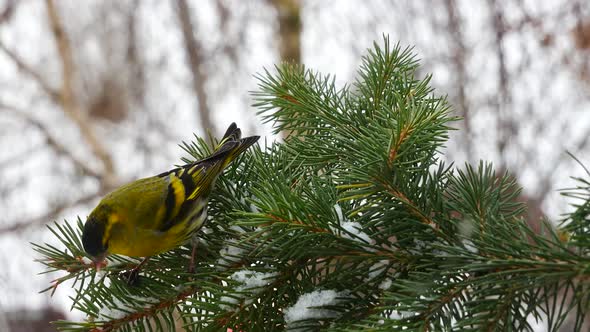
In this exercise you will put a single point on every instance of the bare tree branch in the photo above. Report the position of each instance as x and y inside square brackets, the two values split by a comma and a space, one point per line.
[51, 215]
[68, 100]
[195, 58]
[8, 11]
[229, 47]
[25, 68]
[17, 158]
[52, 142]
[547, 180]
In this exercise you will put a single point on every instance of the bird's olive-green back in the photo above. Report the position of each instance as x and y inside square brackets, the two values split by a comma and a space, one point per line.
[139, 202]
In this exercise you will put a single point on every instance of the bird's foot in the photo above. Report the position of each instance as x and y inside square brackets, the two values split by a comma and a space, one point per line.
[131, 277]
[191, 265]
[191, 269]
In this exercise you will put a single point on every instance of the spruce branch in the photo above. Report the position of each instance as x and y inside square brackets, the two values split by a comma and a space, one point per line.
[352, 223]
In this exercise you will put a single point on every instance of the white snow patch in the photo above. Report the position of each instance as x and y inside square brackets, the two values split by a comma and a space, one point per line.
[254, 209]
[237, 229]
[397, 315]
[251, 281]
[419, 247]
[227, 255]
[437, 251]
[440, 253]
[197, 238]
[119, 309]
[227, 302]
[101, 274]
[353, 230]
[339, 213]
[230, 253]
[470, 246]
[466, 228]
[206, 230]
[307, 305]
[377, 268]
[385, 284]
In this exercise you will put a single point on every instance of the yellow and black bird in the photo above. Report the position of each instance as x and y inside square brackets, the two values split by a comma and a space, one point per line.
[156, 214]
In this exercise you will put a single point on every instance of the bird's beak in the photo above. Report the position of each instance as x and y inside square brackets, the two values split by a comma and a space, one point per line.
[99, 262]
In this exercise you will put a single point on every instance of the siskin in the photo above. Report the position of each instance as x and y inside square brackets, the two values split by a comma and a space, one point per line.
[156, 214]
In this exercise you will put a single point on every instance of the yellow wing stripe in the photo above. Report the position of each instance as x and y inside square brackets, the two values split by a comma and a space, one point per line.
[192, 170]
[205, 180]
[196, 176]
[178, 190]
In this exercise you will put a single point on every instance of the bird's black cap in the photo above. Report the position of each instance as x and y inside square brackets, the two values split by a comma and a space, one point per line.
[92, 238]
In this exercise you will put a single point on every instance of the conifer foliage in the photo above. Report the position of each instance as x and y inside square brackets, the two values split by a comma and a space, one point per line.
[352, 223]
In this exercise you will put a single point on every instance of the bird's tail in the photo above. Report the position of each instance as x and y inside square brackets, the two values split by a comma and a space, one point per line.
[231, 145]
[200, 175]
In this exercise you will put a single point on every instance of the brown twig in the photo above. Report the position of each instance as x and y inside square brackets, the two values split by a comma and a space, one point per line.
[67, 98]
[148, 312]
[51, 141]
[403, 135]
[296, 222]
[195, 60]
[412, 207]
[28, 70]
[8, 11]
[51, 215]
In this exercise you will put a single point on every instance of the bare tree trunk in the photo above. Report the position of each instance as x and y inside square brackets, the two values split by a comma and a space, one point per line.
[68, 100]
[506, 126]
[289, 34]
[289, 15]
[459, 62]
[195, 61]
[133, 54]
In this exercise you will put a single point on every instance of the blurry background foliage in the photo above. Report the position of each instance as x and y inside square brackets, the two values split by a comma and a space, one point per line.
[97, 93]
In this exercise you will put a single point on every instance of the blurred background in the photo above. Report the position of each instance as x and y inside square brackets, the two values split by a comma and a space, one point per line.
[94, 94]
